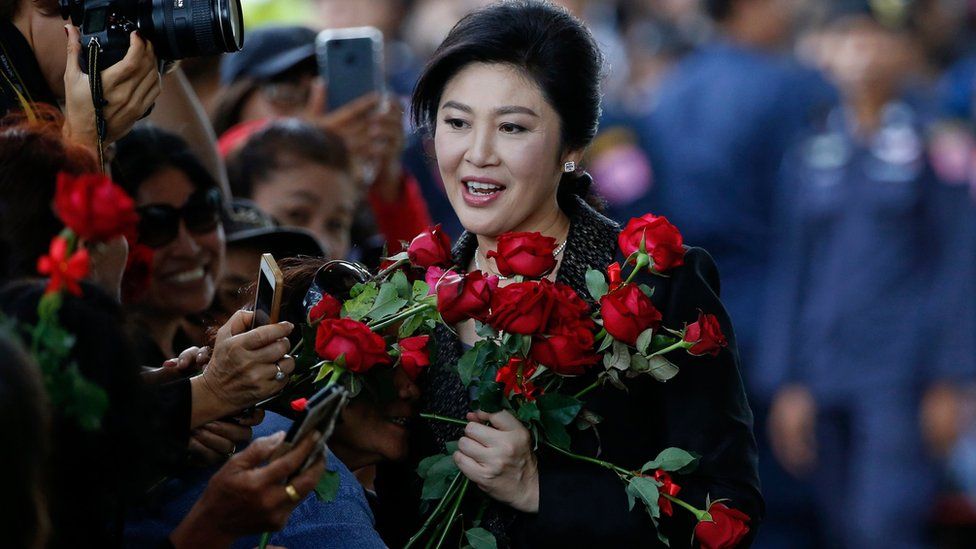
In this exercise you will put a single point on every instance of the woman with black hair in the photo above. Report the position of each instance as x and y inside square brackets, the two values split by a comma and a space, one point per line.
[512, 98]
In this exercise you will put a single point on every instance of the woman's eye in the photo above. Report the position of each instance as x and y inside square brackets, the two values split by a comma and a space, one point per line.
[336, 226]
[455, 123]
[295, 217]
[511, 128]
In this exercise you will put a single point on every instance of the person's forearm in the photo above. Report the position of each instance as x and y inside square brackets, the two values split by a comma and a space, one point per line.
[206, 404]
[179, 110]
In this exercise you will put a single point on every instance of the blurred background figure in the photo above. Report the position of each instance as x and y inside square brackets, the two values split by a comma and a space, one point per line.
[869, 324]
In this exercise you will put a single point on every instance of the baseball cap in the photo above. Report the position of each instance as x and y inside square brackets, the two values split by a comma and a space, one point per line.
[247, 226]
[269, 51]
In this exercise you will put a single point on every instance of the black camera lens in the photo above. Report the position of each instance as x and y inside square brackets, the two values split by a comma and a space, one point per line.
[193, 28]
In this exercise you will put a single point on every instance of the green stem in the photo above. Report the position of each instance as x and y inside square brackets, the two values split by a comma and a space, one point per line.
[294, 350]
[436, 512]
[382, 274]
[265, 538]
[400, 316]
[701, 515]
[601, 463]
[454, 511]
[592, 386]
[680, 344]
[642, 262]
[444, 419]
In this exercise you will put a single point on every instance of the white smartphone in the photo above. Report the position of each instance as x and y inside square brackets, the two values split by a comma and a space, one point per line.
[267, 299]
[351, 62]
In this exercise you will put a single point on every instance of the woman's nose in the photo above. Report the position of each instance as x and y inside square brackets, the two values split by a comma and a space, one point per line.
[407, 389]
[184, 244]
[482, 150]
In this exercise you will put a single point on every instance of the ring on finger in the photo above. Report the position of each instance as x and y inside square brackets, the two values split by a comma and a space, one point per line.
[292, 493]
[279, 375]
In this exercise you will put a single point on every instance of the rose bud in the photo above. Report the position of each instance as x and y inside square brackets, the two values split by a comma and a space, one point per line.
[327, 307]
[667, 486]
[436, 276]
[361, 347]
[613, 275]
[461, 298]
[515, 377]
[627, 312]
[94, 207]
[725, 530]
[414, 355]
[662, 241]
[706, 334]
[522, 308]
[299, 404]
[431, 247]
[525, 254]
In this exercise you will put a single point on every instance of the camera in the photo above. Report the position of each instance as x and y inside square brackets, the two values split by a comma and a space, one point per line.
[177, 28]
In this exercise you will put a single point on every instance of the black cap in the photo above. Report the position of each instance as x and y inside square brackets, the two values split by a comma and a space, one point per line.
[248, 226]
[268, 52]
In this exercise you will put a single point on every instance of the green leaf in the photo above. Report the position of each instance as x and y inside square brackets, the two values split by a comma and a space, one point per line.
[324, 370]
[387, 303]
[479, 538]
[484, 330]
[648, 291]
[614, 377]
[645, 489]
[526, 344]
[673, 460]
[587, 419]
[490, 395]
[560, 408]
[644, 340]
[328, 486]
[420, 290]
[555, 432]
[451, 447]
[596, 283]
[409, 326]
[639, 364]
[528, 412]
[619, 358]
[437, 474]
[361, 301]
[473, 362]
[607, 342]
[402, 285]
[661, 368]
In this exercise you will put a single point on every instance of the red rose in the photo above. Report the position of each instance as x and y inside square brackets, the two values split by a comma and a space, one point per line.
[138, 272]
[414, 355]
[465, 297]
[436, 276]
[515, 376]
[569, 309]
[706, 334]
[613, 274]
[431, 247]
[567, 353]
[726, 529]
[662, 241]
[526, 254]
[299, 404]
[327, 307]
[94, 207]
[627, 312]
[523, 307]
[65, 271]
[667, 486]
[362, 347]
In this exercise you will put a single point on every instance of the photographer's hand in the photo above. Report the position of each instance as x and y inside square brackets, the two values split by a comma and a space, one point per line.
[130, 88]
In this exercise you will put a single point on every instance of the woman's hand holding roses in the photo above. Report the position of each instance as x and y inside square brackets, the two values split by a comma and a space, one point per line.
[499, 459]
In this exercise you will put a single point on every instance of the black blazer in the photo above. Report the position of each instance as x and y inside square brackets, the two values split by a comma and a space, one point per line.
[702, 409]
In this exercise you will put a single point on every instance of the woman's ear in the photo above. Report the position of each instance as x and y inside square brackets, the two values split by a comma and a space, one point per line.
[570, 161]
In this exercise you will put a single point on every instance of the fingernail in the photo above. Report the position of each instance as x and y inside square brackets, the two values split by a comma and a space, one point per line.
[278, 437]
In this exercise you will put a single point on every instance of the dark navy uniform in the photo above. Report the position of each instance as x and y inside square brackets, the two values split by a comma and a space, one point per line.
[870, 242]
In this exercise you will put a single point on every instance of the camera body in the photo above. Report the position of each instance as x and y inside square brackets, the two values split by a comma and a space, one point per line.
[177, 28]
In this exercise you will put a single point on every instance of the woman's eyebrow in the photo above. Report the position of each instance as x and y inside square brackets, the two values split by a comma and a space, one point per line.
[456, 105]
[508, 109]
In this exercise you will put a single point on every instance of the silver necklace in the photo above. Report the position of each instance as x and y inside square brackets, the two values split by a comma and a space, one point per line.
[477, 264]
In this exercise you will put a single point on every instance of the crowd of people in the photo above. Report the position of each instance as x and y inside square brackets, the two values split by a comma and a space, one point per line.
[822, 152]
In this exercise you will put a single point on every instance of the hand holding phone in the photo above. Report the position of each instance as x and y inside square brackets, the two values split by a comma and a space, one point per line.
[321, 413]
[351, 62]
[267, 299]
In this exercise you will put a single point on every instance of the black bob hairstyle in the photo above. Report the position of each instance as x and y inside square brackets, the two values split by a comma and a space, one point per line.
[544, 41]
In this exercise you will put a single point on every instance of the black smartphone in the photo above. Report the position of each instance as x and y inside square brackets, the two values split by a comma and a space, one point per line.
[351, 62]
[321, 413]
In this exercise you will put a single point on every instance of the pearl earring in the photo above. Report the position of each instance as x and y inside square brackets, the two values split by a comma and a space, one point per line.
[569, 167]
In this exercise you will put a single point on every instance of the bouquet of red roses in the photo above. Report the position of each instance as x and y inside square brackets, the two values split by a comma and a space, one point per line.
[536, 334]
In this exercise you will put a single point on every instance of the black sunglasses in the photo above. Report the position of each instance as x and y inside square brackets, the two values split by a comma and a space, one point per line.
[159, 224]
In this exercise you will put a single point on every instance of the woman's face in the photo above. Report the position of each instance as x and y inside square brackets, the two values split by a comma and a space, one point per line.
[497, 142]
[372, 432]
[185, 271]
[314, 197]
